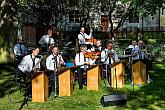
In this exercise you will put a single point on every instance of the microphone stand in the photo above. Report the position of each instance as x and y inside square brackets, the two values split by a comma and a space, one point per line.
[132, 82]
[55, 76]
[132, 74]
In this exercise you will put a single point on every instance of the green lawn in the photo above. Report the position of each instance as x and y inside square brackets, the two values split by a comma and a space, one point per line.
[148, 97]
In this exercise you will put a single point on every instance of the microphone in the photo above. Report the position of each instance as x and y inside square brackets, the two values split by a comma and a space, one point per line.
[109, 52]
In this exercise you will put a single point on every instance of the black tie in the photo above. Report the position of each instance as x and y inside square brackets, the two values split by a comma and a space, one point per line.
[85, 66]
[20, 49]
[55, 62]
[140, 55]
[33, 59]
[49, 41]
[109, 56]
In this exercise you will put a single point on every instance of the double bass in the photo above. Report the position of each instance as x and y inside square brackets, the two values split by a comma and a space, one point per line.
[92, 55]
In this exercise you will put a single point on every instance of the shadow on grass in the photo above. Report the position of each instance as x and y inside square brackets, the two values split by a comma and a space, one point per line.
[150, 96]
[6, 79]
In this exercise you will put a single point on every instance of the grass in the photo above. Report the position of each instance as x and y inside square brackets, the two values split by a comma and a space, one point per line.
[148, 97]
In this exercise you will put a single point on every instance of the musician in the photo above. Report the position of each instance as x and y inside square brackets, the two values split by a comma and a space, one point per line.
[82, 36]
[98, 49]
[46, 40]
[128, 50]
[54, 62]
[51, 59]
[139, 52]
[20, 49]
[30, 62]
[133, 45]
[83, 63]
[108, 57]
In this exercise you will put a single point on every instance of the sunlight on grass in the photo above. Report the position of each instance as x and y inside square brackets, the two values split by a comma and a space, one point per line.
[146, 97]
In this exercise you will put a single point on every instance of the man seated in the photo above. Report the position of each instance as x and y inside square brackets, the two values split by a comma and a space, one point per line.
[20, 49]
[82, 62]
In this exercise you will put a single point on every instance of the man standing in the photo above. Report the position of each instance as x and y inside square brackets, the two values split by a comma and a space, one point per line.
[46, 40]
[82, 62]
[30, 63]
[130, 48]
[50, 61]
[139, 52]
[108, 57]
[54, 62]
[133, 45]
[82, 36]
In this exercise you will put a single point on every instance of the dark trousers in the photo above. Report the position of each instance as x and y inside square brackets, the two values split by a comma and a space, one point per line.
[80, 72]
[52, 83]
[24, 80]
[18, 59]
[107, 72]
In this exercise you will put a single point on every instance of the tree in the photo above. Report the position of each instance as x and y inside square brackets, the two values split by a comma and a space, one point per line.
[44, 12]
[122, 9]
[8, 27]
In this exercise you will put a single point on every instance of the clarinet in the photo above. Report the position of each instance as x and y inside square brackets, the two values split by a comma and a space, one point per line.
[35, 67]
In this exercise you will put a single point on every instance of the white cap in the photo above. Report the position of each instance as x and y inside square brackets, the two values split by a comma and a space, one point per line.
[52, 42]
[20, 37]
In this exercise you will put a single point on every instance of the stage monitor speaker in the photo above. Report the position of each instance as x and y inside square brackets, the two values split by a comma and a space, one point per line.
[115, 99]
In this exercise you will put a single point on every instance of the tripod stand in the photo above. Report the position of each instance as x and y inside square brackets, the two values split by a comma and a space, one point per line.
[28, 90]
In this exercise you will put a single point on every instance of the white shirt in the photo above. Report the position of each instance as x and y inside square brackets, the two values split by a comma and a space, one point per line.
[17, 49]
[79, 60]
[26, 65]
[105, 59]
[132, 46]
[44, 41]
[50, 61]
[82, 38]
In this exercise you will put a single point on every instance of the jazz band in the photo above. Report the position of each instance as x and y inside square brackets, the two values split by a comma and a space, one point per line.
[83, 59]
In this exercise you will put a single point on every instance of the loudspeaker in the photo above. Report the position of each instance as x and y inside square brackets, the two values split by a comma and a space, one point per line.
[116, 99]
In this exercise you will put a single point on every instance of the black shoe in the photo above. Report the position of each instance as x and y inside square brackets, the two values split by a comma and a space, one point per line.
[80, 88]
